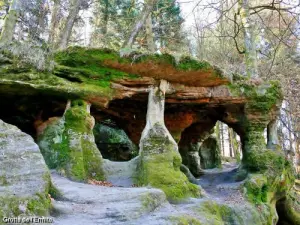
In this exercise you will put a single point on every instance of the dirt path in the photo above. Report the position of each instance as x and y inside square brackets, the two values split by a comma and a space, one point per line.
[220, 184]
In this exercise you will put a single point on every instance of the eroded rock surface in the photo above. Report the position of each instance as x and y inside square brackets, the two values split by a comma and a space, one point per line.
[90, 204]
[113, 143]
[68, 144]
[210, 153]
[24, 176]
[197, 96]
[159, 157]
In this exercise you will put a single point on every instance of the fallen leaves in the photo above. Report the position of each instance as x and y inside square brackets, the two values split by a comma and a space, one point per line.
[100, 183]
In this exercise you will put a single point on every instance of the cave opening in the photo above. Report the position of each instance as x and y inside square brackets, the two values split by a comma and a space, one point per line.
[113, 142]
[29, 112]
[229, 143]
[281, 212]
[209, 145]
[112, 136]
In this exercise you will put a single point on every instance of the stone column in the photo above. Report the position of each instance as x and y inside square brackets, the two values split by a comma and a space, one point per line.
[68, 143]
[159, 157]
[272, 135]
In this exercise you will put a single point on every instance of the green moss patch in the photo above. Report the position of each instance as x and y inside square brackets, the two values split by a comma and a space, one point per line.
[218, 214]
[184, 220]
[158, 172]
[261, 97]
[88, 65]
[68, 144]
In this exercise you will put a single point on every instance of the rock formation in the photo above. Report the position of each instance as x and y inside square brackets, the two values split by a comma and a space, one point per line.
[114, 143]
[181, 112]
[210, 153]
[159, 157]
[68, 143]
[24, 177]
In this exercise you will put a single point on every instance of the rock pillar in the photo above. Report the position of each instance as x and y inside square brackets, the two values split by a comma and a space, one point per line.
[210, 153]
[159, 157]
[272, 135]
[68, 144]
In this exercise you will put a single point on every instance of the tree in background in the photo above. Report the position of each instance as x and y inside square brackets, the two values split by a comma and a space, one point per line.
[140, 22]
[65, 33]
[10, 22]
[265, 36]
[111, 21]
[167, 25]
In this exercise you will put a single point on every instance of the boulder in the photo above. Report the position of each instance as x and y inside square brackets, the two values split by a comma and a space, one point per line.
[24, 177]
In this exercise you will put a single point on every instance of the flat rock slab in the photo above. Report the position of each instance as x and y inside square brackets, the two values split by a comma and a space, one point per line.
[90, 204]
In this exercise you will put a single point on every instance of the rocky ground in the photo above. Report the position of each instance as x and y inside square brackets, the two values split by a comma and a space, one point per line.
[91, 204]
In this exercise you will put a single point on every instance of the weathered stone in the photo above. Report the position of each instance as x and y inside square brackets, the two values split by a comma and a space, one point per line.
[24, 176]
[193, 158]
[113, 143]
[159, 157]
[198, 96]
[272, 135]
[210, 153]
[121, 173]
[190, 143]
[68, 144]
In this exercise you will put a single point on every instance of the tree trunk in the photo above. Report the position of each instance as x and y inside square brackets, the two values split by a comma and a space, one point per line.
[149, 34]
[105, 18]
[249, 40]
[36, 32]
[139, 23]
[67, 30]
[237, 147]
[10, 22]
[54, 22]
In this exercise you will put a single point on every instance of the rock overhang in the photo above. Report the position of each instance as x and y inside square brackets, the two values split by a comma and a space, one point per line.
[112, 83]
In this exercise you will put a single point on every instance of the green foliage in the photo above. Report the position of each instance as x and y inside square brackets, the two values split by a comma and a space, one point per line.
[39, 206]
[257, 188]
[263, 160]
[54, 192]
[167, 21]
[112, 19]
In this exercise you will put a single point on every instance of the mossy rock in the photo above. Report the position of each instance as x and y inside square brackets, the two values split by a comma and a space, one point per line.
[114, 143]
[25, 178]
[69, 146]
[261, 98]
[160, 167]
[213, 212]
[185, 220]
